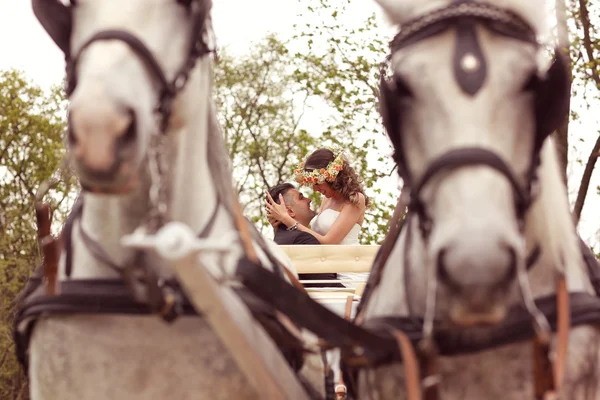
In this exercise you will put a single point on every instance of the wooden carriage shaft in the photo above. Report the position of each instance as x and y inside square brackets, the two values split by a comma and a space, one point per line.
[255, 353]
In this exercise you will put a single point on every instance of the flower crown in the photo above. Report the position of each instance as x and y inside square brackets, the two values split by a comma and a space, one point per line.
[320, 175]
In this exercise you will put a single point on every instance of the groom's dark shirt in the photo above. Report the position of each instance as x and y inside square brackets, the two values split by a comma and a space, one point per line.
[283, 236]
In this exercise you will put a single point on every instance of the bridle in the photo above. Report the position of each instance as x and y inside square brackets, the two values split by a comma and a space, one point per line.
[57, 19]
[470, 73]
[551, 106]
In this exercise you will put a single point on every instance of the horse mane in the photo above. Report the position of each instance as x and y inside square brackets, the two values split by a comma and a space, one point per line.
[219, 162]
[549, 222]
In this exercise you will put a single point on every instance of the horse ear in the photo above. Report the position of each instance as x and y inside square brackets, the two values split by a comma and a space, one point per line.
[553, 97]
[56, 18]
[394, 10]
[387, 110]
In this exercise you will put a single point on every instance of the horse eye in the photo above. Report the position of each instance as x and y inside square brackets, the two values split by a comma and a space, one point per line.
[184, 3]
[401, 87]
[531, 84]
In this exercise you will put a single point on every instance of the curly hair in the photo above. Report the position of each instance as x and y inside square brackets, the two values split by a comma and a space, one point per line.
[347, 183]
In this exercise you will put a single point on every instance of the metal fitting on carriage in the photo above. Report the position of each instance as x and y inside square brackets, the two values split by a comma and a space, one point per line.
[175, 241]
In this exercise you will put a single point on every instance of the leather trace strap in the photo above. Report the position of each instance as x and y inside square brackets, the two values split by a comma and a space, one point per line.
[411, 366]
[308, 313]
[548, 375]
[49, 246]
[394, 229]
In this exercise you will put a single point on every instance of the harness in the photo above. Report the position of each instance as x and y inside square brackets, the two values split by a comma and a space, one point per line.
[385, 340]
[375, 342]
[44, 296]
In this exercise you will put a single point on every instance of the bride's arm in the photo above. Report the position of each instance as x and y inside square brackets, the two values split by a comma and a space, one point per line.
[349, 216]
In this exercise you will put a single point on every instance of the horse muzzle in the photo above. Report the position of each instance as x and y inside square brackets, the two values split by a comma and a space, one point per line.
[103, 141]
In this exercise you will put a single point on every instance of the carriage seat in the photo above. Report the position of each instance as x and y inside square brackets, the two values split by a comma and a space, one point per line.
[317, 259]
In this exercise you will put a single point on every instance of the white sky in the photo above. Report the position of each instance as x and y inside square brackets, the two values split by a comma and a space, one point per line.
[237, 23]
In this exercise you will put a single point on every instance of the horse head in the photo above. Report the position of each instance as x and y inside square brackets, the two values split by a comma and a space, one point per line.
[112, 117]
[468, 104]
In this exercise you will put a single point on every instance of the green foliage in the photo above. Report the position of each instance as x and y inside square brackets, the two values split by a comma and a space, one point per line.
[257, 98]
[267, 96]
[584, 51]
[343, 53]
[585, 47]
[31, 148]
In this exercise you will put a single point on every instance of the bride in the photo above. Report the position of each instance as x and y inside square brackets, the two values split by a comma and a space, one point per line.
[342, 212]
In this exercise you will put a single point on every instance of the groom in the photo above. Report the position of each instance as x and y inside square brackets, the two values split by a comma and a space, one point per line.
[298, 208]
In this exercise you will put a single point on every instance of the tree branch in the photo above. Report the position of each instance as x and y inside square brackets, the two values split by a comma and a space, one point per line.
[585, 180]
[587, 41]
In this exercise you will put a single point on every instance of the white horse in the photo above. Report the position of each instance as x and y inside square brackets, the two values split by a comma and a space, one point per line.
[461, 255]
[116, 52]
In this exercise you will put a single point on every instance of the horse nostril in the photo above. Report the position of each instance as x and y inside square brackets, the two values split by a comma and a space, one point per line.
[442, 271]
[71, 138]
[130, 134]
[511, 273]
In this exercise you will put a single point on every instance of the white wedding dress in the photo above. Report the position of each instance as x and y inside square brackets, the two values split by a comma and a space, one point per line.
[322, 223]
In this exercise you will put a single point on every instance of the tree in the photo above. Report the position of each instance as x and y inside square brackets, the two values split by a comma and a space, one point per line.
[31, 148]
[265, 100]
[257, 99]
[585, 53]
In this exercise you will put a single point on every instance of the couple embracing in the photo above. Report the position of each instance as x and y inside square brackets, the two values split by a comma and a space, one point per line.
[340, 216]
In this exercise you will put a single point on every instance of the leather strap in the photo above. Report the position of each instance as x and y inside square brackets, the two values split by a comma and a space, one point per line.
[385, 250]
[465, 157]
[245, 237]
[562, 329]
[306, 312]
[411, 366]
[49, 247]
[67, 234]
[548, 375]
[542, 369]
[429, 354]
